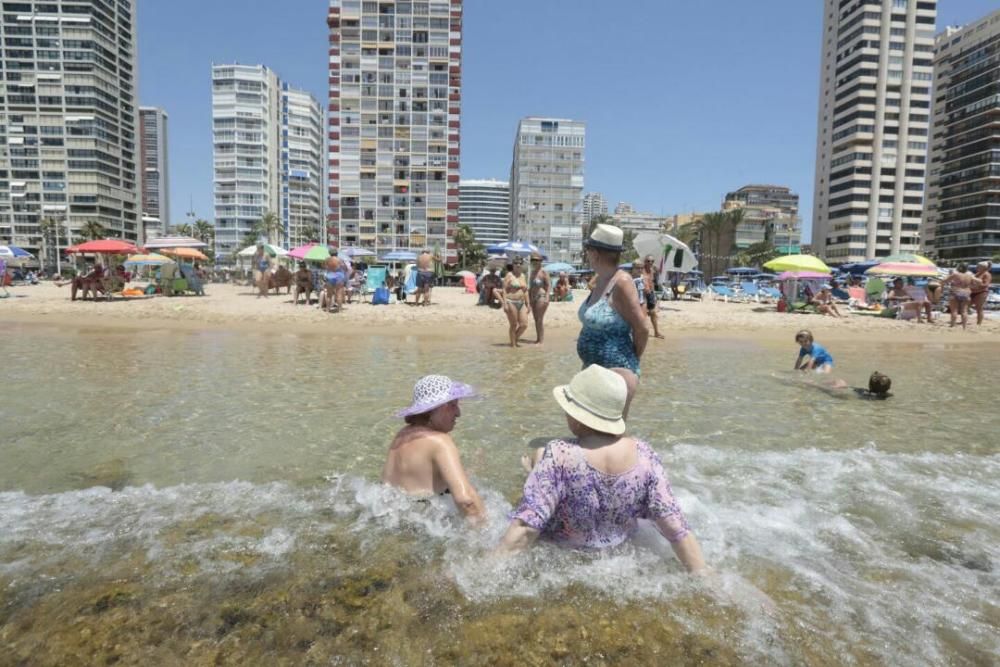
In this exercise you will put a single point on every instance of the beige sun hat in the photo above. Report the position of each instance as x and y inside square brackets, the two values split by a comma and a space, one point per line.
[595, 397]
[606, 237]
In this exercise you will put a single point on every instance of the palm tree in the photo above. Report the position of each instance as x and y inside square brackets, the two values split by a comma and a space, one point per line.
[717, 232]
[269, 226]
[470, 251]
[311, 234]
[92, 230]
[183, 230]
[204, 231]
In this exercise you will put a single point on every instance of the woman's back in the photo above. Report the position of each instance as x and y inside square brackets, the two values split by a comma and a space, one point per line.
[592, 498]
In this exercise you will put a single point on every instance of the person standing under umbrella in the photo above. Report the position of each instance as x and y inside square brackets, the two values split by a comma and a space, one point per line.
[614, 333]
[538, 295]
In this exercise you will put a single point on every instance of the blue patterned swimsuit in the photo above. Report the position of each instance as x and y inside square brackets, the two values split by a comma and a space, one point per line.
[606, 338]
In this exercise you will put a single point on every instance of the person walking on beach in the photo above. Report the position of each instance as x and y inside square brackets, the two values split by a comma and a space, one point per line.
[650, 277]
[335, 279]
[614, 332]
[538, 296]
[589, 491]
[262, 270]
[514, 295]
[980, 291]
[961, 293]
[425, 277]
[3, 277]
[423, 459]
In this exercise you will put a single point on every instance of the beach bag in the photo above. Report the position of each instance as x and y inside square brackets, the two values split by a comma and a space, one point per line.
[381, 296]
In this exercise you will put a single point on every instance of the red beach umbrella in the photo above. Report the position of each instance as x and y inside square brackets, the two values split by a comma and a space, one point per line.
[103, 247]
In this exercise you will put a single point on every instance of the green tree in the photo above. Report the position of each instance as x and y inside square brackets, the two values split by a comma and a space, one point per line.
[92, 230]
[717, 237]
[312, 233]
[757, 254]
[269, 226]
[470, 251]
[204, 231]
[184, 230]
[629, 253]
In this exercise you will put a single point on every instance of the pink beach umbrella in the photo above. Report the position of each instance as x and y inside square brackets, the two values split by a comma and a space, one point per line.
[300, 252]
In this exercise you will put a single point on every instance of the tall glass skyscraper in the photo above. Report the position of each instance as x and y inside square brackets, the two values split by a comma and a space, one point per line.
[395, 102]
[68, 122]
[873, 127]
[484, 205]
[155, 172]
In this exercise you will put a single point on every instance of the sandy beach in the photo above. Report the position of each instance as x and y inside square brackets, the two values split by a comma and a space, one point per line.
[453, 312]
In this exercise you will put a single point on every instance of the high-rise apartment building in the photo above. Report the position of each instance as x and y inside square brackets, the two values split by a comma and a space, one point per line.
[629, 219]
[267, 157]
[484, 205]
[395, 102]
[770, 213]
[546, 186]
[68, 119]
[154, 172]
[873, 127]
[594, 204]
[962, 214]
[301, 167]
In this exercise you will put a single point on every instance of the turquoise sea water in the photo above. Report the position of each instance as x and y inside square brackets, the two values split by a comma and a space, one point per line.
[841, 530]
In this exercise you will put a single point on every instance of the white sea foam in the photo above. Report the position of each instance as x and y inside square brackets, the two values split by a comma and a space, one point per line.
[888, 549]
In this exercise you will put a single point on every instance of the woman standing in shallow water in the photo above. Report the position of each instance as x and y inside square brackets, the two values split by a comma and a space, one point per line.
[538, 295]
[514, 296]
[614, 333]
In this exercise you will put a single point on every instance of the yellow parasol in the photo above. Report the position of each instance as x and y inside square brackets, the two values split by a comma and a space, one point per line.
[185, 253]
[797, 263]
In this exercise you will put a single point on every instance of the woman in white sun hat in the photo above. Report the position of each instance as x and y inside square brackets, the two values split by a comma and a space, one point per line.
[423, 460]
[590, 490]
[614, 333]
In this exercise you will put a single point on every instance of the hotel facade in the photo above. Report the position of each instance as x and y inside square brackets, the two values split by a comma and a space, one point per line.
[395, 77]
[873, 127]
[484, 205]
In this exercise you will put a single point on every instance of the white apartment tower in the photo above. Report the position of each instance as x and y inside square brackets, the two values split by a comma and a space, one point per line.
[68, 123]
[154, 171]
[245, 135]
[594, 204]
[962, 215]
[395, 100]
[301, 167]
[546, 186]
[873, 127]
[267, 141]
[484, 205]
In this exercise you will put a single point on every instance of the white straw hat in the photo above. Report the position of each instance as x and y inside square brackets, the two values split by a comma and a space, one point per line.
[595, 397]
[606, 237]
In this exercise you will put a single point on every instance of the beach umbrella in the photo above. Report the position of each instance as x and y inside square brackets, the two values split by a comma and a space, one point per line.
[902, 269]
[317, 253]
[670, 254]
[148, 259]
[399, 256]
[512, 248]
[798, 263]
[103, 247]
[556, 267]
[905, 258]
[15, 255]
[272, 250]
[741, 271]
[186, 253]
[356, 252]
[803, 275]
[174, 242]
[463, 273]
[300, 252]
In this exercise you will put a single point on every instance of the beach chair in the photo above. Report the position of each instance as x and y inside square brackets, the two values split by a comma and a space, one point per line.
[722, 291]
[750, 291]
[374, 279]
[770, 292]
[840, 295]
[470, 284]
[194, 283]
[857, 298]
[875, 290]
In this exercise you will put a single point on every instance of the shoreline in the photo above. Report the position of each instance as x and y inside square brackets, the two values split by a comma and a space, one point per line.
[453, 313]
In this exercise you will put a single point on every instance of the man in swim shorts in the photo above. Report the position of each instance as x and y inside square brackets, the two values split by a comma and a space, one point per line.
[425, 277]
[335, 278]
[649, 277]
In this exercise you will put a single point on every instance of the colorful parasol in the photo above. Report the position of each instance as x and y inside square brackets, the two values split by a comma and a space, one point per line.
[906, 258]
[149, 259]
[803, 275]
[902, 269]
[103, 247]
[185, 253]
[798, 263]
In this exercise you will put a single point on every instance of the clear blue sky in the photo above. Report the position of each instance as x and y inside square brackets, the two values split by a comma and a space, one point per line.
[683, 101]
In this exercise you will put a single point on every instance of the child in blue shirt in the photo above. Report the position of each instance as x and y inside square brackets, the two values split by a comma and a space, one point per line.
[819, 359]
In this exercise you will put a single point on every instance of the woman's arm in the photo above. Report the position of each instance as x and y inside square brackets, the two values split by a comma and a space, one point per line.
[519, 536]
[688, 552]
[463, 493]
[626, 302]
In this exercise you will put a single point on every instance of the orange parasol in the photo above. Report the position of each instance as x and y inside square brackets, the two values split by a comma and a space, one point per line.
[185, 253]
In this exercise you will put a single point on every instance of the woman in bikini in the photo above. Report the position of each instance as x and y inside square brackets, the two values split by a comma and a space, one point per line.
[981, 282]
[513, 296]
[538, 295]
[961, 293]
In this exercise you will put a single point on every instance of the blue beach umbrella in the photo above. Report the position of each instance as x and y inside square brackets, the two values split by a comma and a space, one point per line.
[512, 248]
[556, 267]
[399, 256]
[741, 270]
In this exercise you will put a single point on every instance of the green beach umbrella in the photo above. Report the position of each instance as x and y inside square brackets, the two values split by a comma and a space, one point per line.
[318, 253]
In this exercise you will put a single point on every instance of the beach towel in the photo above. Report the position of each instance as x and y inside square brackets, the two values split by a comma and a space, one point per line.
[381, 296]
[411, 280]
[470, 284]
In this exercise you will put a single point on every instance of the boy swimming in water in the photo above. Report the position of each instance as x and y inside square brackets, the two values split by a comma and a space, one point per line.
[878, 388]
[819, 359]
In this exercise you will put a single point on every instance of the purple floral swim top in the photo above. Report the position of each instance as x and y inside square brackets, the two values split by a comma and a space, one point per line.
[570, 502]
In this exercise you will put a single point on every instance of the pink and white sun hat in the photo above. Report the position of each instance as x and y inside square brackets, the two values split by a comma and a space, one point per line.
[432, 391]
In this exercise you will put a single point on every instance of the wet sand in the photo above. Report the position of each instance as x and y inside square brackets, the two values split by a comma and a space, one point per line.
[453, 312]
